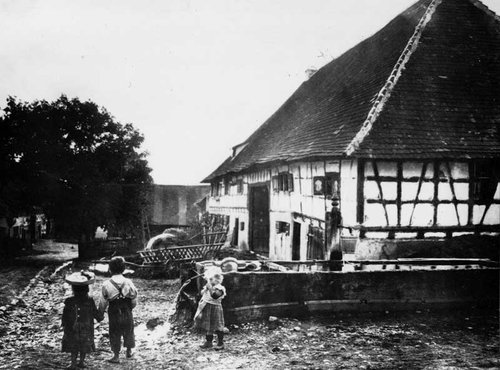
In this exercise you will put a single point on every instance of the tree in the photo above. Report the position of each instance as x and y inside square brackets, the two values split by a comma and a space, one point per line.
[75, 162]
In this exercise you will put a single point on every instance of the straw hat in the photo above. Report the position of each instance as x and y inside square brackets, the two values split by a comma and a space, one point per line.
[212, 271]
[80, 278]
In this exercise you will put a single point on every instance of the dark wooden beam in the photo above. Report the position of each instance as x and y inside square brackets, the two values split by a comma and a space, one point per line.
[360, 210]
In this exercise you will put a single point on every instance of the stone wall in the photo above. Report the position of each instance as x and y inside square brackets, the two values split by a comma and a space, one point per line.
[253, 295]
[465, 246]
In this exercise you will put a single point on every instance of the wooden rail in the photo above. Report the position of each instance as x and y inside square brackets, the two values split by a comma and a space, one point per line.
[422, 230]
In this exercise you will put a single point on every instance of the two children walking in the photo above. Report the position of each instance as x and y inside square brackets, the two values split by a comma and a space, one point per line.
[119, 296]
[119, 293]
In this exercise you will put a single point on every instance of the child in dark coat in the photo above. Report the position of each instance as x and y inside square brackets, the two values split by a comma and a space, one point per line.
[78, 323]
[121, 296]
[209, 317]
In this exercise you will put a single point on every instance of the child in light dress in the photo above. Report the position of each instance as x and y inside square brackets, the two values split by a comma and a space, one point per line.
[209, 317]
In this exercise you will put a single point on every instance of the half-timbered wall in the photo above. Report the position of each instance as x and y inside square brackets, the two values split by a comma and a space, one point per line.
[413, 196]
[378, 200]
[296, 204]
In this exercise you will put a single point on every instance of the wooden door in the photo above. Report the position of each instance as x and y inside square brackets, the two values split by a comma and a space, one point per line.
[259, 219]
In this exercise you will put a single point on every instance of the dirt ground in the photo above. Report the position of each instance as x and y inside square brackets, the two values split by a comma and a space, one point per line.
[30, 336]
[46, 251]
[13, 279]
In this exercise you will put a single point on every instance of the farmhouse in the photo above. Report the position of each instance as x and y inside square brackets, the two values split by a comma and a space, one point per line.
[393, 143]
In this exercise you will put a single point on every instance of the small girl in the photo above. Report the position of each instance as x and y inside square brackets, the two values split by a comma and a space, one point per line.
[78, 319]
[209, 317]
[121, 295]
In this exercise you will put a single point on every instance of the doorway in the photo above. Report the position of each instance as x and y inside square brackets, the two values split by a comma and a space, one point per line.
[296, 242]
[235, 240]
[259, 219]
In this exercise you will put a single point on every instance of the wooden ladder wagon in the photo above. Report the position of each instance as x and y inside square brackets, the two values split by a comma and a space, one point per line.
[214, 241]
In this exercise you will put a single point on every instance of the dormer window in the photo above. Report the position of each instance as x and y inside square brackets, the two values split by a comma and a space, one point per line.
[237, 149]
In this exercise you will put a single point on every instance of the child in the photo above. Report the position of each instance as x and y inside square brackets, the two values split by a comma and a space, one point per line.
[209, 317]
[78, 320]
[121, 295]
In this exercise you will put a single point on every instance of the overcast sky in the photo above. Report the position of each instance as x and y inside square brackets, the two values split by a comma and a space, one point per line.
[196, 77]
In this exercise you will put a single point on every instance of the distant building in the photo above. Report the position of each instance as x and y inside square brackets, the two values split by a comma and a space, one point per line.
[20, 228]
[402, 130]
[176, 205]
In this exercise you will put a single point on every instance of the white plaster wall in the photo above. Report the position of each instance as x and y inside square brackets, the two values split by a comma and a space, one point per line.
[235, 206]
[492, 216]
[454, 174]
[302, 201]
[283, 204]
[348, 192]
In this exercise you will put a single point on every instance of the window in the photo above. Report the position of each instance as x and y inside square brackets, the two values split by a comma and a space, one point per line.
[328, 185]
[283, 182]
[216, 189]
[486, 178]
[332, 184]
[282, 227]
[319, 185]
[227, 186]
[239, 186]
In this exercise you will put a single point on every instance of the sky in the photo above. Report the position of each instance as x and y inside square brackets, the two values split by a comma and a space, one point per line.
[196, 77]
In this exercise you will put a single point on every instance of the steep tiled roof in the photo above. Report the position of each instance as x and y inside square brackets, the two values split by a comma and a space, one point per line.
[426, 85]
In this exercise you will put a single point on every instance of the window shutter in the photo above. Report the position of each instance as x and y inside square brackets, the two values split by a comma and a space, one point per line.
[275, 183]
[239, 186]
[290, 182]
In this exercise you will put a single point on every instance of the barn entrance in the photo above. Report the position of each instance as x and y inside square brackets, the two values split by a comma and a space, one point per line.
[259, 219]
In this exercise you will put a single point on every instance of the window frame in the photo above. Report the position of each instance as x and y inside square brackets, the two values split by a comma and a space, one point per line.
[283, 181]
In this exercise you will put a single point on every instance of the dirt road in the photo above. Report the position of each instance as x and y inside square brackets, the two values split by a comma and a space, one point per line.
[31, 334]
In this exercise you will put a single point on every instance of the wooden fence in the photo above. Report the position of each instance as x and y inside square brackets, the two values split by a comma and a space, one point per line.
[179, 254]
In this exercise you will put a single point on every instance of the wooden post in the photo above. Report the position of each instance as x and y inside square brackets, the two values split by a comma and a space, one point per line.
[360, 211]
[335, 251]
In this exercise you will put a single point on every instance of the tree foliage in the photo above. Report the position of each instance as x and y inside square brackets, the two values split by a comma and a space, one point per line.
[73, 161]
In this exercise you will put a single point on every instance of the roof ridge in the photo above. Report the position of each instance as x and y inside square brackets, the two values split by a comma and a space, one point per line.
[480, 5]
[385, 92]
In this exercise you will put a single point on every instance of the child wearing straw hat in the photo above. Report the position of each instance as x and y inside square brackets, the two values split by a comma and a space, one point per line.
[78, 319]
[210, 317]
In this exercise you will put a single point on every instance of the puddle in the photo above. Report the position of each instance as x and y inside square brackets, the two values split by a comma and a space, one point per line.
[152, 338]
